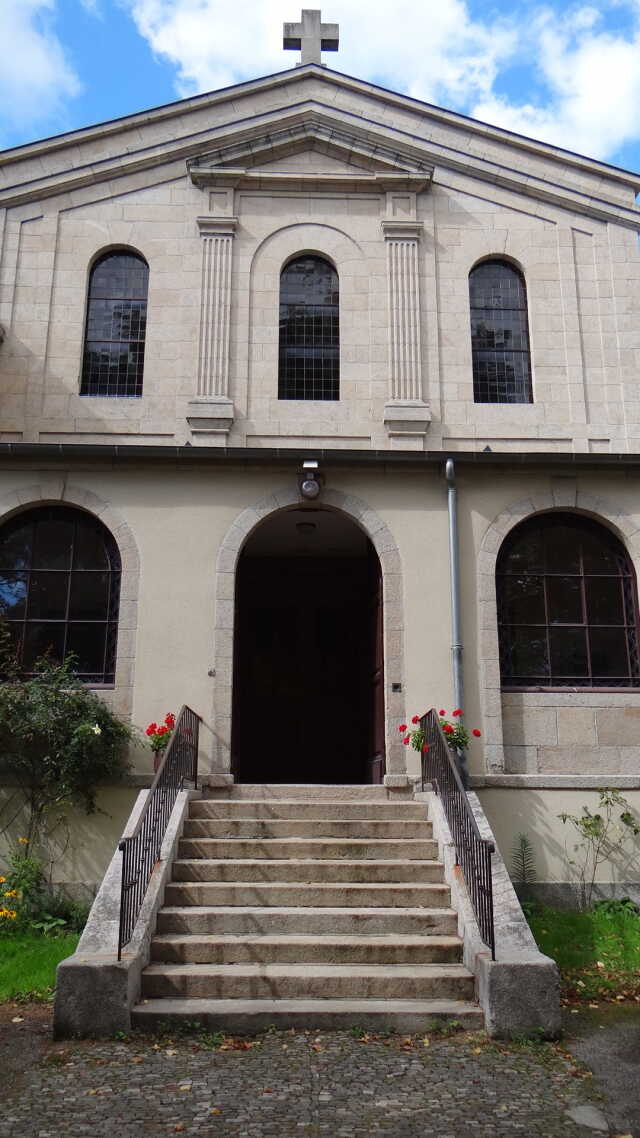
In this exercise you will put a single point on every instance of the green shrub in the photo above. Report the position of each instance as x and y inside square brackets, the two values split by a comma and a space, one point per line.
[58, 741]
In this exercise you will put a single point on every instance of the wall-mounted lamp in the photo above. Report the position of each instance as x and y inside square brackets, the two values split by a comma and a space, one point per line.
[309, 480]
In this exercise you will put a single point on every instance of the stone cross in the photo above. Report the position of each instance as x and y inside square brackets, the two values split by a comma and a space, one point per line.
[310, 36]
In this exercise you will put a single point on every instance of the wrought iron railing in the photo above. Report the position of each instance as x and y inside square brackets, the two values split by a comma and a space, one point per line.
[141, 849]
[473, 852]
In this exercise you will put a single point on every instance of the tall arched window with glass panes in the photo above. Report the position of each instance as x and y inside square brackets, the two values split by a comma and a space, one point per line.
[309, 352]
[116, 325]
[500, 352]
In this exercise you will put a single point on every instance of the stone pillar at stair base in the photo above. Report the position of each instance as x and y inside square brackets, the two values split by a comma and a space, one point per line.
[519, 991]
[94, 990]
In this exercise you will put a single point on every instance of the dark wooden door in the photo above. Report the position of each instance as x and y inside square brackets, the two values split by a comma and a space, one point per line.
[304, 671]
[376, 761]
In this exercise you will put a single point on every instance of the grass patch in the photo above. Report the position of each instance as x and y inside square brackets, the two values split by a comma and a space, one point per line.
[597, 952]
[28, 964]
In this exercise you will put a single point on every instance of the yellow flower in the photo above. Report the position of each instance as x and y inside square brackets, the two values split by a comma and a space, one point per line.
[2, 880]
[11, 892]
[23, 841]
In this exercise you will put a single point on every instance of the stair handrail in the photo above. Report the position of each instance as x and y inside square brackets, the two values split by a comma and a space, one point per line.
[473, 852]
[141, 849]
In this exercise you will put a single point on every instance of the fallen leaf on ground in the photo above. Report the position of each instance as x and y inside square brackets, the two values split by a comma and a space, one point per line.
[171, 1052]
[216, 1110]
[18, 1019]
[179, 1126]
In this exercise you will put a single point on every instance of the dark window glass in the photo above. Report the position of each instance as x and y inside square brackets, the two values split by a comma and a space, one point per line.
[64, 597]
[309, 357]
[116, 324]
[499, 334]
[567, 608]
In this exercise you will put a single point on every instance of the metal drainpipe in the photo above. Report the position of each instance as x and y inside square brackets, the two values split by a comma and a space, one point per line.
[456, 628]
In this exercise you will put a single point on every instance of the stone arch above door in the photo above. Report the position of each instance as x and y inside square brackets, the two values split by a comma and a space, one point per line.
[393, 616]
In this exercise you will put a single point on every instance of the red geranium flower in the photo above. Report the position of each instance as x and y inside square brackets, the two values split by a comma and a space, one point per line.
[425, 748]
[406, 740]
[476, 733]
[170, 720]
[402, 727]
[151, 729]
[458, 711]
[448, 729]
[442, 711]
[162, 730]
[415, 719]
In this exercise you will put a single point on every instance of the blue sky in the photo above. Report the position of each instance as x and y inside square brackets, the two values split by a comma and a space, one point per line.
[565, 73]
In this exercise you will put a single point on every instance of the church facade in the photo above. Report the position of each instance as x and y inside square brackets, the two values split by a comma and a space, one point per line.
[243, 334]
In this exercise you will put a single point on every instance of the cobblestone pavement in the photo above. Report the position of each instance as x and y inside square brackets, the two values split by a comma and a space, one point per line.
[285, 1084]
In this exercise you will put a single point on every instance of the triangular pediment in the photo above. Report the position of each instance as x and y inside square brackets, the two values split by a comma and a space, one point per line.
[311, 146]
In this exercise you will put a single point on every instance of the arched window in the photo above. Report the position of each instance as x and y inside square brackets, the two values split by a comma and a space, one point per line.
[116, 324]
[309, 359]
[60, 589]
[499, 334]
[567, 606]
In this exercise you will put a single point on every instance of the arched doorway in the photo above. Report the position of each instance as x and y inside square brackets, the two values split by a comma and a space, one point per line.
[308, 690]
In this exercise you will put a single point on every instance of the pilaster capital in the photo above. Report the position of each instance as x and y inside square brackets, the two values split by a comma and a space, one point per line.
[402, 230]
[217, 226]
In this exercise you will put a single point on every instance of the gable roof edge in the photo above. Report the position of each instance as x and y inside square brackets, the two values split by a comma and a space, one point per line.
[250, 86]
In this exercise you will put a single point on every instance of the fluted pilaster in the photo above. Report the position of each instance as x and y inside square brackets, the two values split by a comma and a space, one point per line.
[405, 364]
[405, 413]
[215, 315]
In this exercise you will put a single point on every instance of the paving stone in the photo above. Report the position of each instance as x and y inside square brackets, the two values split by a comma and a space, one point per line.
[288, 1084]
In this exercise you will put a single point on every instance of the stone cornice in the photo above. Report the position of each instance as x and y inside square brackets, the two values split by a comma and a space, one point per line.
[180, 107]
[416, 155]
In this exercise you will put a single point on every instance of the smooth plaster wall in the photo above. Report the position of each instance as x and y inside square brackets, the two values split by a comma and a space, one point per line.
[81, 845]
[535, 813]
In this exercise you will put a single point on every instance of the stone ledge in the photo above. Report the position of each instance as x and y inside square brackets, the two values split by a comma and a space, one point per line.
[211, 418]
[407, 418]
[557, 782]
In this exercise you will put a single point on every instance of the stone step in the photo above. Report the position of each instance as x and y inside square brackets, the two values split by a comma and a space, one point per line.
[306, 870]
[398, 828]
[389, 949]
[407, 850]
[308, 981]
[308, 791]
[246, 1017]
[283, 808]
[305, 894]
[282, 921]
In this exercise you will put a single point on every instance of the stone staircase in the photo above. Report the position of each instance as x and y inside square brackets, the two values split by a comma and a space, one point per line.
[308, 907]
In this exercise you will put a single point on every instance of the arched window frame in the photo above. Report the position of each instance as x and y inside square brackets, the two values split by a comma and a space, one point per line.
[47, 592]
[301, 374]
[500, 374]
[598, 599]
[100, 346]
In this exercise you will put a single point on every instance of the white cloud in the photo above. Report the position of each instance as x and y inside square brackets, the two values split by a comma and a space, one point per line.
[428, 50]
[34, 73]
[592, 82]
[588, 79]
